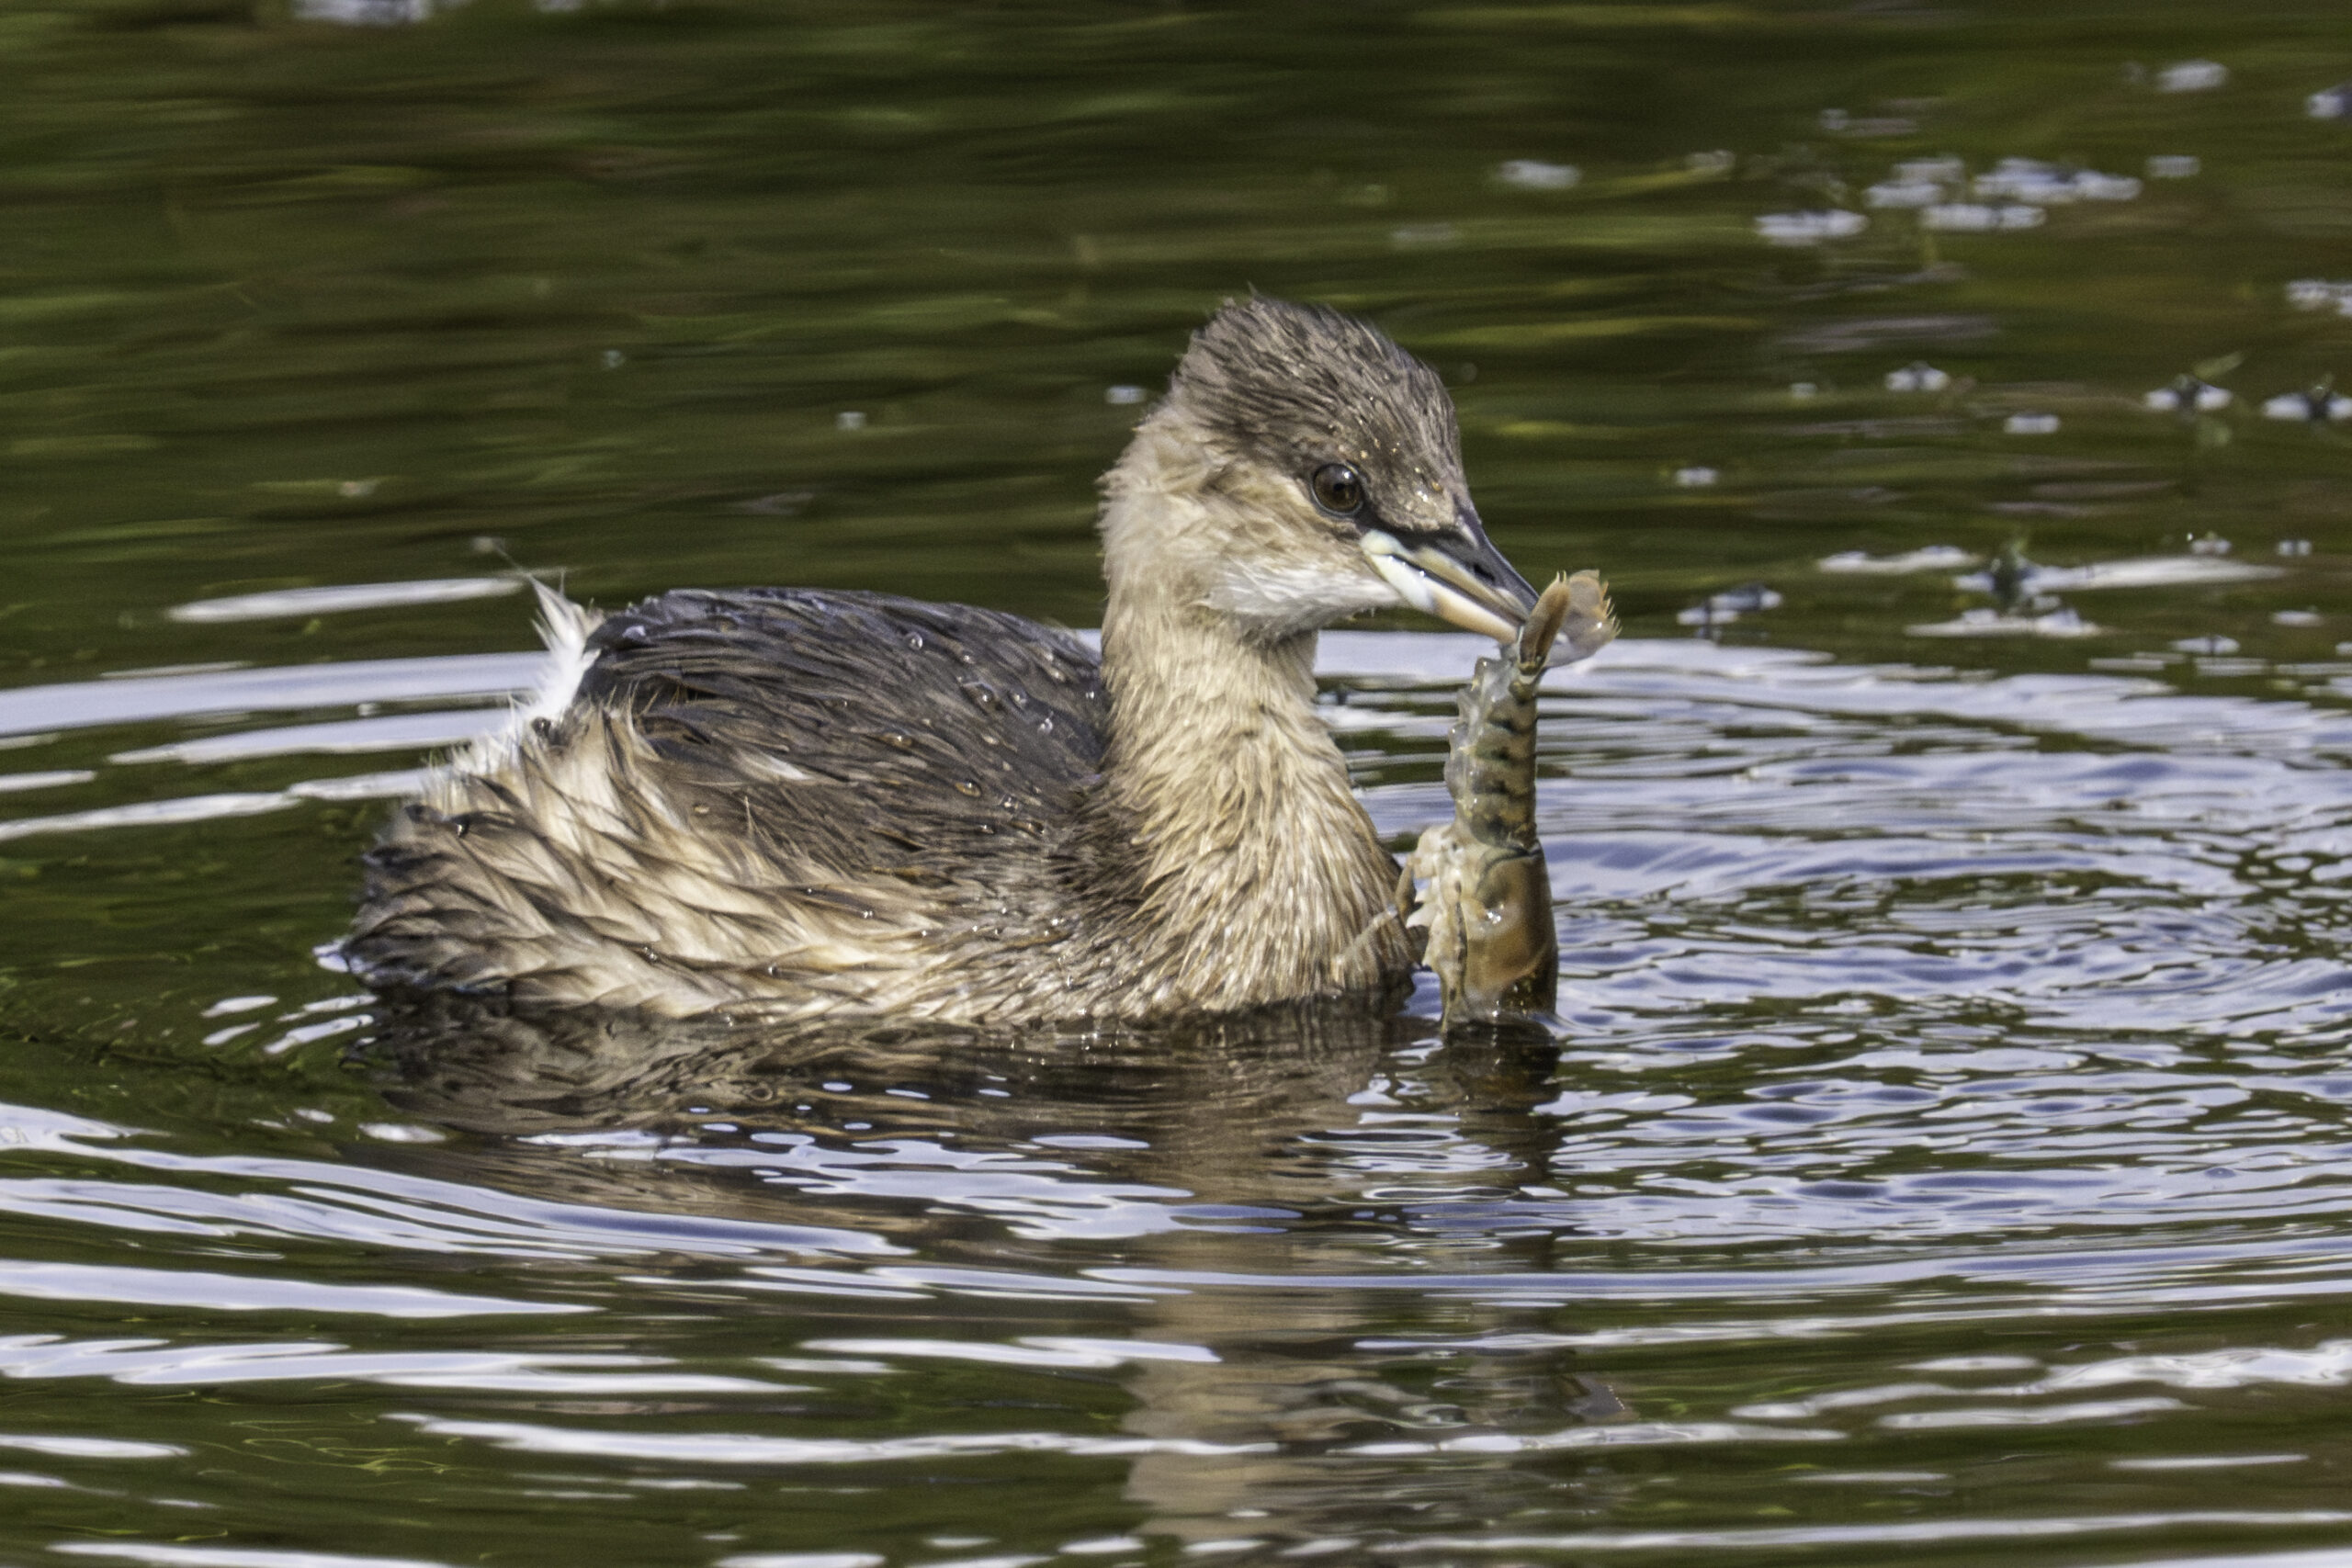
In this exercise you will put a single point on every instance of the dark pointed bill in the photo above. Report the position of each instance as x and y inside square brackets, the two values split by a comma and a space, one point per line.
[1466, 582]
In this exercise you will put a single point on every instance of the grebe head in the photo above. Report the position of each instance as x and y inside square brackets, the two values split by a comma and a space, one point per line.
[1330, 479]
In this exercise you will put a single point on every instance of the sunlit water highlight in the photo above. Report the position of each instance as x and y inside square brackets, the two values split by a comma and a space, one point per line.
[1942, 1033]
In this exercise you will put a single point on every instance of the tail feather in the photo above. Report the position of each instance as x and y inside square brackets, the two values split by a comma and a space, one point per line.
[564, 627]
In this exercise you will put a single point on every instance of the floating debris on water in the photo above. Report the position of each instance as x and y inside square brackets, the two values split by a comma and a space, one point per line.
[2208, 545]
[1695, 477]
[2059, 623]
[1934, 558]
[2030, 424]
[2048, 185]
[2295, 619]
[2192, 76]
[1718, 161]
[1803, 389]
[2320, 294]
[1809, 228]
[2330, 103]
[2206, 644]
[2175, 166]
[1747, 597]
[1122, 394]
[1532, 174]
[2319, 404]
[2294, 547]
[2011, 578]
[848, 419]
[1917, 377]
[1722, 609]
[1423, 236]
[2020, 575]
[2188, 394]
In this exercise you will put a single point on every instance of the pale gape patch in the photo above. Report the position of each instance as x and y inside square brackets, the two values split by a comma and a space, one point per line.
[1287, 599]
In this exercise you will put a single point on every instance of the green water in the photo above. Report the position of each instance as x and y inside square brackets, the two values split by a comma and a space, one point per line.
[1948, 1156]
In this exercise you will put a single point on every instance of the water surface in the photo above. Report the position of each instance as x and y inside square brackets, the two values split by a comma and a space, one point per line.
[1947, 1156]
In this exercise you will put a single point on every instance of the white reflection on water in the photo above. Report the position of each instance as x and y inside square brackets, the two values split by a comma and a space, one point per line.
[281, 602]
[1533, 174]
[1038, 1351]
[159, 1363]
[2148, 571]
[150, 814]
[86, 1447]
[1905, 1008]
[142, 699]
[2192, 76]
[161, 1556]
[19, 784]
[1809, 228]
[1978, 217]
[365, 13]
[1889, 1534]
[1634, 1435]
[329, 1202]
[2062, 623]
[393, 732]
[230, 1292]
[1932, 558]
[214, 807]
[752, 1447]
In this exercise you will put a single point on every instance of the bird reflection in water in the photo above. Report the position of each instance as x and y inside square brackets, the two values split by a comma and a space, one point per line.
[1284, 1147]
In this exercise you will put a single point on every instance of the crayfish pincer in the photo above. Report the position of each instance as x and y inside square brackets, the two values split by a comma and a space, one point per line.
[1480, 882]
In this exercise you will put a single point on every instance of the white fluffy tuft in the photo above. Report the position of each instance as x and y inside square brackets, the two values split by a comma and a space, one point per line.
[564, 627]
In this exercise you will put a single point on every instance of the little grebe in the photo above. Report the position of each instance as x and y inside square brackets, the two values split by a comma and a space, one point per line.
[795, 803]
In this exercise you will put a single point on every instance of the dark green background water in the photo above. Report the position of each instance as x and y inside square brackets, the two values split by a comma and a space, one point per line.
[1948, 1159]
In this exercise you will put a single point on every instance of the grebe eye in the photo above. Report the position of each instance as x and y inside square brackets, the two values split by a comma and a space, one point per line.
[1338, 489]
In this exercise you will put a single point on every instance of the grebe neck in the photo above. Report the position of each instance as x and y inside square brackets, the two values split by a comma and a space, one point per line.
[1261, 870]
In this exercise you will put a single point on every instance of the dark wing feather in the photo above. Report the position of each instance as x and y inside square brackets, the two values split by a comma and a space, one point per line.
[858, 732]
[750, 796]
